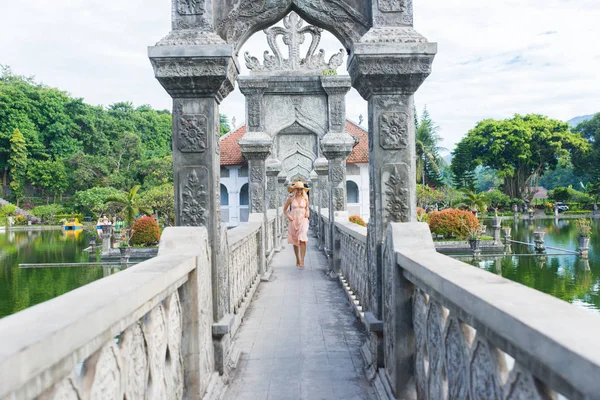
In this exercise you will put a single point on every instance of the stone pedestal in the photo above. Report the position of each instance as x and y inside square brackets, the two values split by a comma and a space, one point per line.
[273, 168]
[314, 202]
[283, 195]
[106, 236]
[388, 83]
[539, 241]
[496, 229]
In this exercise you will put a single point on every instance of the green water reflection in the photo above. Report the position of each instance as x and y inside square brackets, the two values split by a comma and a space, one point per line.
[565, 276]
[22, 288]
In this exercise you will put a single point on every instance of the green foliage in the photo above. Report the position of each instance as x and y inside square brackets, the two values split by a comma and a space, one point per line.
[590, 156]
[58, 144]
[93, 201]
[145, 232]
[357, 220]
[330, 72]
[8, 210]
[428, 196]
[584, 227]
[452, 223]
[518, 149]
[567, 194]
[497, 199]
[20, 220]
[429, 162]
[224, 126]
[47, 213]
[131, 204]
[475, 201]
[161, 199]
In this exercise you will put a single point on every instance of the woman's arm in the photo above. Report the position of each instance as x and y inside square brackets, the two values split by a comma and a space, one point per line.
[286, 207]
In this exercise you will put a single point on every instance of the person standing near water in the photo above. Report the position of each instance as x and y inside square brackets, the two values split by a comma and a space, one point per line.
[296, 209]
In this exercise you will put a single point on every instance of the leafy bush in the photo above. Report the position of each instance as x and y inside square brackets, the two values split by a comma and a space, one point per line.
[568, 194]
[48, 213]
[8, 210]
[422, 215]
[58, 217]
[453, 223]
[584, 227]
[145, 232]
[20, 220]
[357, 220]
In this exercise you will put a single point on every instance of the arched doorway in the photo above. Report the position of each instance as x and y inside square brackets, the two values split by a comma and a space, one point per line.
[244, 202]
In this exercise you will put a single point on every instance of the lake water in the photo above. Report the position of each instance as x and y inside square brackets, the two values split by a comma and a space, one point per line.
[562, 275]
[565, 276]
[22, 288]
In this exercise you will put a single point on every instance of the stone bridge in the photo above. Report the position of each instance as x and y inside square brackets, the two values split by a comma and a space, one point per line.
[377, 313]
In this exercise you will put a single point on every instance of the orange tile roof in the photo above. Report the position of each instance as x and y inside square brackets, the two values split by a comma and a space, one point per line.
[231, 154]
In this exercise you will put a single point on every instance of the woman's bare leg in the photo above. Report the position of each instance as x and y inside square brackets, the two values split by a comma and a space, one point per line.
[302, 253]
[296, 251]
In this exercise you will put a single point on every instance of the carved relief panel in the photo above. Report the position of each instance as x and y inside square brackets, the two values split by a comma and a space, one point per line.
[193, 196]
[190, 7]
[396, 196]
[192, 129]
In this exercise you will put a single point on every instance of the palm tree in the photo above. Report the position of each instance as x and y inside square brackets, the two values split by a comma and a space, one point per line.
[429, 161]
[475, 201]
[131, 203]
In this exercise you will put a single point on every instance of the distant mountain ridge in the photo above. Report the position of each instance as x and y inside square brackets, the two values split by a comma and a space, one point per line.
[577, 120]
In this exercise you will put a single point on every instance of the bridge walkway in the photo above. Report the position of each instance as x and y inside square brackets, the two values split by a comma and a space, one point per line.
[300, 339]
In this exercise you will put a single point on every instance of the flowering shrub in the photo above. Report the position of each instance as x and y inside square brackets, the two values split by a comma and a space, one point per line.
[145, 232]
[453, 223]
[357, 220]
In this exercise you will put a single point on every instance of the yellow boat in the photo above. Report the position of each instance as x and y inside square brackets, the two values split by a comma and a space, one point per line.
[73, 224]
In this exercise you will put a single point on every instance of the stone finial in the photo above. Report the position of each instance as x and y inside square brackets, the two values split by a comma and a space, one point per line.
[273, 166]
[256, 145]
[294, 35]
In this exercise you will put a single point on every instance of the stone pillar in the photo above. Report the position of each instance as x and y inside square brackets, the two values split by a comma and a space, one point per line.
[198, 69]
[388, 65]
[198, 77]
[336, 146]
[321, 167]
[273, 167]
[283, 195]
[314, 203]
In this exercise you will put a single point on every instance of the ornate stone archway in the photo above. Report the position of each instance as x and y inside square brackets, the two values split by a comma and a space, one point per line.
[388, 60]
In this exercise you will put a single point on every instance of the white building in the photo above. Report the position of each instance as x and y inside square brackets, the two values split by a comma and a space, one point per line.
[234, 176]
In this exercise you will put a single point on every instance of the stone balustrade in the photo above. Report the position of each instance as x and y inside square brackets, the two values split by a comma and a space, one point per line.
[354, 259]
[244, 267]
[121, 336]
[271, 232]
[460, 332]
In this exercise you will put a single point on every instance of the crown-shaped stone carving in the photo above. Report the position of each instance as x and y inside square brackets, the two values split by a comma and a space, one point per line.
[294, 35]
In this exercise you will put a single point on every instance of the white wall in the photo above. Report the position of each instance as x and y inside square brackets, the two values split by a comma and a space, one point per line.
[233, 183]
[361, 178]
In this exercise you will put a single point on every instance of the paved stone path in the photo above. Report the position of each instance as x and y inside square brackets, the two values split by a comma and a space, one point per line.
[300, 339]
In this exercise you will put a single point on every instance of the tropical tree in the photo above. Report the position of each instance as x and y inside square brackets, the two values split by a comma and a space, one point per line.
[519, 149]
[475, 201]
[427, 142]
[18, 163]
[131, 203]
[224, 126]
[583, 160]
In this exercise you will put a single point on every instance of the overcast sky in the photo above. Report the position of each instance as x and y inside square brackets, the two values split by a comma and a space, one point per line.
[496, 58]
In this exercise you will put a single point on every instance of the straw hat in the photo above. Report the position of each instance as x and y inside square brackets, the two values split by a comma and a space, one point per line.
[298, 185]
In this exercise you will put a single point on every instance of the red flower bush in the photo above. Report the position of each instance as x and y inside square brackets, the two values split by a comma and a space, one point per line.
[145, 232]
[452, 223]
[357, 220]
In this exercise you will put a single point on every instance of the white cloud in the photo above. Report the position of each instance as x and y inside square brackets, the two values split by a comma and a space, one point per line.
[495, 58]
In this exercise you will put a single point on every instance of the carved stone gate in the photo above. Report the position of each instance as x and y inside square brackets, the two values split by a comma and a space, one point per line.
[197, 63]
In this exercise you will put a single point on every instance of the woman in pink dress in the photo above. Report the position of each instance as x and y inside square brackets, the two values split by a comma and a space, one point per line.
[296, 209]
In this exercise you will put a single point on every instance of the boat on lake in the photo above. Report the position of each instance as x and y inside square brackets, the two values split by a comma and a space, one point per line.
[73, 224]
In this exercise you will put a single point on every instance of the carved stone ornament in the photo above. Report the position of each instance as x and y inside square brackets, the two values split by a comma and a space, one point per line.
[193, 130]
[394, 34]
[294, 35]
[396, 199]
[337, 174]
[257, 174]
[392, 5]
[393, 128]
[190, 7]
[339, 199]
[193, 207]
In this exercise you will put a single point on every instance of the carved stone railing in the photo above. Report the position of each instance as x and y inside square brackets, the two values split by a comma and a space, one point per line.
[325, 229]
[460, 332]
[142, 333]
[244, 259]
[354, 259]
[271, 232]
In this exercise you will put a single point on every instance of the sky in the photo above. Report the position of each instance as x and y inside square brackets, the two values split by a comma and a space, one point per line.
[495, 58]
